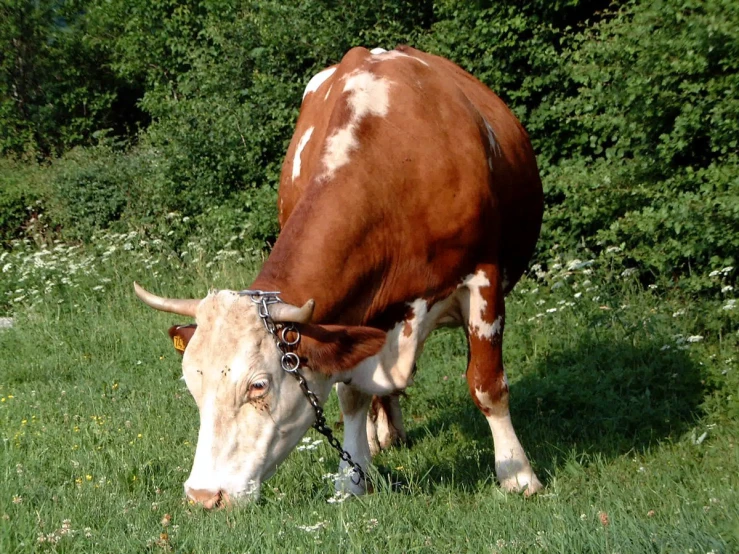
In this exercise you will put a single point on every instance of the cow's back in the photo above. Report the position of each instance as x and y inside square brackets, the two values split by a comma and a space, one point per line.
[403, 174]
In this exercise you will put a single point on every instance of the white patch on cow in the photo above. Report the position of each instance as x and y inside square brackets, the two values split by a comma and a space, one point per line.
[384, 55]
[368, 95]
[338, 147]
[512, 467]
[391, 369]
[299, 150]
[476, 319]
[317, 80]
[203, 467]
[494, 146]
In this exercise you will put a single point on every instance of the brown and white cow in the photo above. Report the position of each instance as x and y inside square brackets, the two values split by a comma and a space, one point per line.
[409, 199]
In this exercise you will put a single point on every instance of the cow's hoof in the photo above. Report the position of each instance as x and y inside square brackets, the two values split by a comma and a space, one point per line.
[527, 483]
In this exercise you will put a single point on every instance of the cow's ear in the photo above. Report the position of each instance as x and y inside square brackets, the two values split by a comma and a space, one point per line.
[181, 335]
[330, 349]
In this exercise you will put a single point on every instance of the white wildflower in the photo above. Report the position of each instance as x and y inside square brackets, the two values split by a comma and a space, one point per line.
[727, 288]
[730, 304]
[678, 313]
[714, 273]
[551, 310]
[338, 497]
[578, 294]
[629, 272]
[728, 269]
[613, 250]
[313, 528]
[694, 338]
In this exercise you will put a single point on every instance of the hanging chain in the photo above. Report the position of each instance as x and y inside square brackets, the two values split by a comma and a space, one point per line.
[290, 363]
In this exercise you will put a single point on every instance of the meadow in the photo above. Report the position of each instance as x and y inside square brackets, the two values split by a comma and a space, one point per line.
[624, 397]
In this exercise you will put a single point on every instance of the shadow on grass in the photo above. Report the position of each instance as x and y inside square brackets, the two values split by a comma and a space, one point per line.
[598, 399]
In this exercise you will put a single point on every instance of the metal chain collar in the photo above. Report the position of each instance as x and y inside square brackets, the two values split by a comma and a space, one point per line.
[290, 363]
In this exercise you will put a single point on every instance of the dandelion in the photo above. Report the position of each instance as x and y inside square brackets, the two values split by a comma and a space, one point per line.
[17, 499]
[371, 524]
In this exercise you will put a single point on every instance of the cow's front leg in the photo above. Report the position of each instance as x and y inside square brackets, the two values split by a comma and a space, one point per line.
[354, 405]
[485, 314]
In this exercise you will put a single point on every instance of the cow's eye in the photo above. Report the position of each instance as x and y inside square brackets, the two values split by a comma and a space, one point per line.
[258, 388]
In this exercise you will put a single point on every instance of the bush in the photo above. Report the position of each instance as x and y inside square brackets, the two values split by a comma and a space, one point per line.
[20, 199]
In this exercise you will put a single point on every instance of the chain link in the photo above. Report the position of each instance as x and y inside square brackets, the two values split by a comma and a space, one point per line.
[290, 363]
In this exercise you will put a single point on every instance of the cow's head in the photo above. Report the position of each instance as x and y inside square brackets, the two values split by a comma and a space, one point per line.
[252, 413]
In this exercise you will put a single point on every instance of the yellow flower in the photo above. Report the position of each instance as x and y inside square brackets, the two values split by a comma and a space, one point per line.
[88, 477]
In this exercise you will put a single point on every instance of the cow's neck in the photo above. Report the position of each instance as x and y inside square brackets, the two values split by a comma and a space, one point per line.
[325, 254]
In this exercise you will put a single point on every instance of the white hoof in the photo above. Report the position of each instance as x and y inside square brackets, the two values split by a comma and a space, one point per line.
[515, 476]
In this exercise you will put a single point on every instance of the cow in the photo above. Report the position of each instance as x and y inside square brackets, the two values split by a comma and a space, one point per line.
[409, 199]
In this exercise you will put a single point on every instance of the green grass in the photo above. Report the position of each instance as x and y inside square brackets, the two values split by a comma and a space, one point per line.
[609, 398]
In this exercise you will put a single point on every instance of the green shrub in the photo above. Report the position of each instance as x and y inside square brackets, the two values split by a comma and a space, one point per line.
[20, 199]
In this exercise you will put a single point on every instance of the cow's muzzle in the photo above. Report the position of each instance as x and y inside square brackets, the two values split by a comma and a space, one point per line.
[209, 499]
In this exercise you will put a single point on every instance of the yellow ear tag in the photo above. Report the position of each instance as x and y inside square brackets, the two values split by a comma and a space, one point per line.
[179, 343]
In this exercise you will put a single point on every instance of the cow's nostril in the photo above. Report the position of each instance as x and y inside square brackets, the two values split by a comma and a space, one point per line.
[208, 499]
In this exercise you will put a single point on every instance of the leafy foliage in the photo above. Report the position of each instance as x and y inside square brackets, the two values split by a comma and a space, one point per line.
[632, 109]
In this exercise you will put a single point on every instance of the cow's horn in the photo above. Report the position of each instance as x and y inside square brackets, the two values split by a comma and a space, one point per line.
[181, 306]
[287, 313]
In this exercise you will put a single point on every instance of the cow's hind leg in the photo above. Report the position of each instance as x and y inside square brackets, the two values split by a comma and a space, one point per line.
[484, 311]
[385, 423]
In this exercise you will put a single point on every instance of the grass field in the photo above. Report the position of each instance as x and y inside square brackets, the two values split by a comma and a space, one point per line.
[625, 401]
